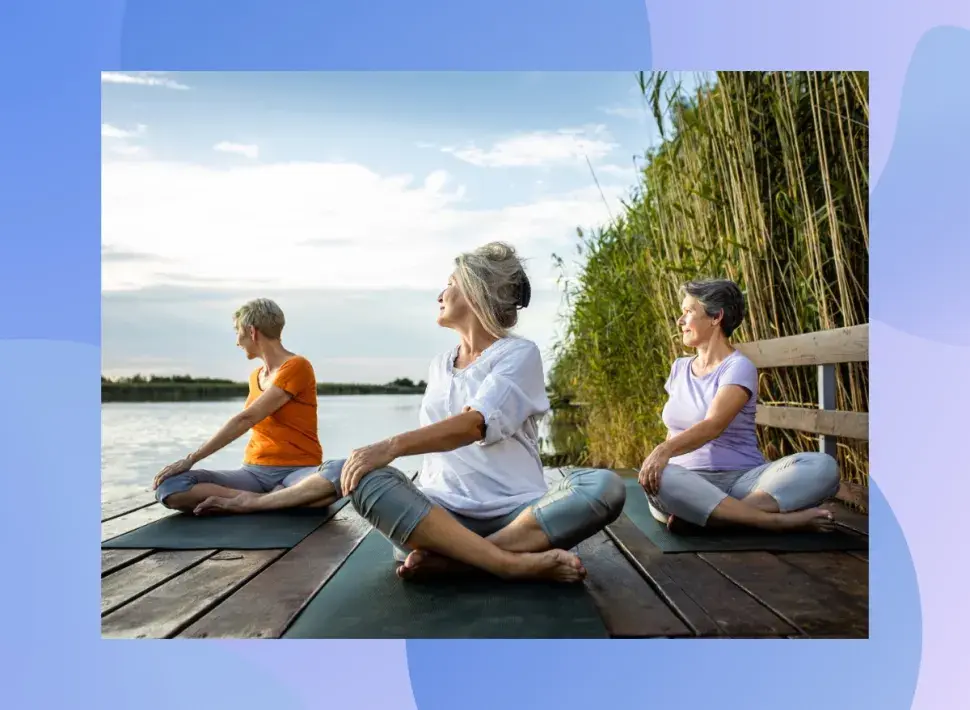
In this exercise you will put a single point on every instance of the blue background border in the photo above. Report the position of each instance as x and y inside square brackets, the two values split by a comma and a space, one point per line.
[53, 54]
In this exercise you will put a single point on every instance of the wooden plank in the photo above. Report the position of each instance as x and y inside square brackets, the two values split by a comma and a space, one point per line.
[864, 556]
[267, 604]
[170, 607]
[112, 560]
[851, 425]
[628, 605]
[130, 521]
[820, 348]
[848, 518]
[846, 573]
[114, 508]
[710, 604]
[812, 606]
[134, 580]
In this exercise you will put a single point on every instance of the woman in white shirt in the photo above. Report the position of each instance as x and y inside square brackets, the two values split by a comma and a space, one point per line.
[480, 499]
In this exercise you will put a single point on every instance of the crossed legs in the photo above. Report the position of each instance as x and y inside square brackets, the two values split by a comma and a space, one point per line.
[780, 495]
[533, 544]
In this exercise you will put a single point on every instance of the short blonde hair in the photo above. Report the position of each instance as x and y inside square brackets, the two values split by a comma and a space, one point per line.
[262, 314]
[493, 281]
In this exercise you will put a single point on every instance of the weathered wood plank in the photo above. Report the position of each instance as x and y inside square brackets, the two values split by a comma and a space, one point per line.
[710, 603]
[113, 508]
[848, 518]
[851, 425]
[844, 572]
[812, 606]
[864, 556]
[112, 560]
[266, 605]
[134, 580]
[170, 607]
[819, 348]
[130, 521]
[630, 608]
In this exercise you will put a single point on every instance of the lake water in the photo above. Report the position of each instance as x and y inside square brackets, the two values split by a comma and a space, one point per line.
[140, 438]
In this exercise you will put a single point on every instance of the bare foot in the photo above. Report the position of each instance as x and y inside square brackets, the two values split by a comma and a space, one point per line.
[243, 502]
[553, 565]
[811, 520]
[420, 564]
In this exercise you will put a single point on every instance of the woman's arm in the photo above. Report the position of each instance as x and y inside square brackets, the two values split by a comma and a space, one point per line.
[266, 404]
[726, 405]
[447, 435]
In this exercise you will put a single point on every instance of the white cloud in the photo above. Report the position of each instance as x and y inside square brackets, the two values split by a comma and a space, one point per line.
[127, 149]
[141, 79]
[247, 150]
[317, 225]
[109, 131]
[540, 148]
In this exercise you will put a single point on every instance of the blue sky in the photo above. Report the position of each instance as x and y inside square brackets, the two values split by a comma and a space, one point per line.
[345, 196]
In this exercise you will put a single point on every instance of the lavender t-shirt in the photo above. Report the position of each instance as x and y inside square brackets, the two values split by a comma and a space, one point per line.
[690, 398]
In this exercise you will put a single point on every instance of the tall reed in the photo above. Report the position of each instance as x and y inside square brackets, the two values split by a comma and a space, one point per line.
[762, 178]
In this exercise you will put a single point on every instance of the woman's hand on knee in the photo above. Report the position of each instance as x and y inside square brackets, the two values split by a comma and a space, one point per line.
[173, 469]
[652, 470]
[362, 461]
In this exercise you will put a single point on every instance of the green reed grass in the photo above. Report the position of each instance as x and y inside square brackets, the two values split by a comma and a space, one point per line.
[762, 177]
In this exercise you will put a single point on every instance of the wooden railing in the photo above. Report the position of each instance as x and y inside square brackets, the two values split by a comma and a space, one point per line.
[824, 350]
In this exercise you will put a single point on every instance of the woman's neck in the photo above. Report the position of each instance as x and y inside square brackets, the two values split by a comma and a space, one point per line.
[474, 340]
[274, 355]
[712, 353]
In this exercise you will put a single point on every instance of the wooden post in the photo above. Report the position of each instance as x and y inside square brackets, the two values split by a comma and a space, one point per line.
[826, 400]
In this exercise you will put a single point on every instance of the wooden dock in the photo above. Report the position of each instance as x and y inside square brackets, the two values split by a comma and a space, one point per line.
[638, 591]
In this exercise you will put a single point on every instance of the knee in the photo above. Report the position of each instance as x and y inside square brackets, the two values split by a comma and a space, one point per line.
[826, 471]
[374, 486]
[170, 492]
[607, 492]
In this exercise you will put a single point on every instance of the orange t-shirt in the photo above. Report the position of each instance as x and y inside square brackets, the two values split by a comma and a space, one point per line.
[288, 436]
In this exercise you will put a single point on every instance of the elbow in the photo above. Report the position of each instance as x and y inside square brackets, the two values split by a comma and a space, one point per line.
[245, 420]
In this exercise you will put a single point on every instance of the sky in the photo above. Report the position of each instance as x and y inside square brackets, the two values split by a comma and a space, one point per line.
[345, 197]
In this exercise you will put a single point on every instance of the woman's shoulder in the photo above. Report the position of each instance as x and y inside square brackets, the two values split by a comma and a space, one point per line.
[297, 362]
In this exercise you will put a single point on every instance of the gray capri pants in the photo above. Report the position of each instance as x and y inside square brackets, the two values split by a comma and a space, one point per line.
[795, 482]
[579, 505]
[254, 479]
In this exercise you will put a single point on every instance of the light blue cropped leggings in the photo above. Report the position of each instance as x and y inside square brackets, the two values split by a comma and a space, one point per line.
[795, 482]
[576, 507]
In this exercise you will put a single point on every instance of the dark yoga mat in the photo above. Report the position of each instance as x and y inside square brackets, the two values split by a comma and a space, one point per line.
[280, 529]
[714, 540]
[366, 599]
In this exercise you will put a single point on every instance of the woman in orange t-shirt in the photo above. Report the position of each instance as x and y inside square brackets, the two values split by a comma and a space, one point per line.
[281, 411]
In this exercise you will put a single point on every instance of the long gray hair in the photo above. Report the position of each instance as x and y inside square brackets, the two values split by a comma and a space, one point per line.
[493, 281]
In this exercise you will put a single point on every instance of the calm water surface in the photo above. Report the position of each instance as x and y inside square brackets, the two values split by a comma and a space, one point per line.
[140, 438]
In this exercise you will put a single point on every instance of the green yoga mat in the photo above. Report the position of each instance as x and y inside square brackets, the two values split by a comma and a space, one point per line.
[272, 530]
[366, 599]
[714, 540]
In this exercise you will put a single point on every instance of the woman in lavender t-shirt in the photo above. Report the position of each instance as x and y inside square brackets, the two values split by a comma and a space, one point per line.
[709, 471]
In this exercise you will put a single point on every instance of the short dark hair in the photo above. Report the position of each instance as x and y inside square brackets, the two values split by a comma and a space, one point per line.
[719, 296]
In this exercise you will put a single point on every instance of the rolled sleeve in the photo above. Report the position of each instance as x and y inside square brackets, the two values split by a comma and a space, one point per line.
[512, 392]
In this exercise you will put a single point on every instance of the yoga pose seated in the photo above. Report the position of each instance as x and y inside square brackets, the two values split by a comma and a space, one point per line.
[281, 411]
[709, 471]
[480, 500]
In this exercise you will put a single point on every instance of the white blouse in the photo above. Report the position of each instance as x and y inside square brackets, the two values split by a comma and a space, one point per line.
[494, 476]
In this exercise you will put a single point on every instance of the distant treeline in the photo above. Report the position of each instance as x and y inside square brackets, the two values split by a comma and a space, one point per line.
[179, 388]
